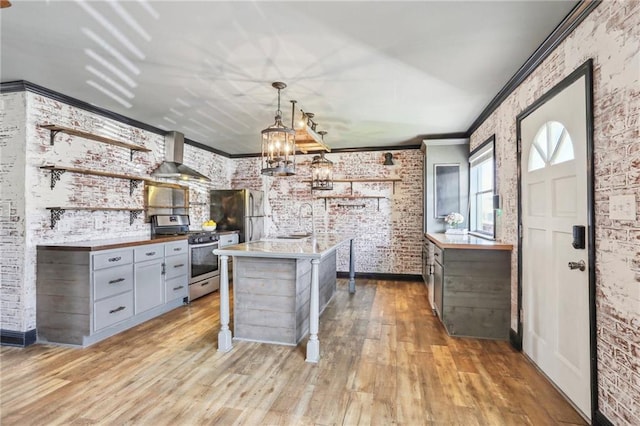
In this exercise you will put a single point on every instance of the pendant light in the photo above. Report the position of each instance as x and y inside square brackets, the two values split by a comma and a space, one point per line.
[321, 170]
[278, 144]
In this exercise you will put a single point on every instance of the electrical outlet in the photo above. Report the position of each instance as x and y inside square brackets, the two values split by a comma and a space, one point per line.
[98, 222]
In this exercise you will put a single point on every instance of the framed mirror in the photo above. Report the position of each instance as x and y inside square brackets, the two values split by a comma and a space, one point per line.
[447, 189]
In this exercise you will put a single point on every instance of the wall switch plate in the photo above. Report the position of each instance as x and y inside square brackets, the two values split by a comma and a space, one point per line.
[622, 207]
[5, 210]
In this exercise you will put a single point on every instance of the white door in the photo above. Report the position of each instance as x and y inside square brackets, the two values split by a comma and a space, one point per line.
[555, 298]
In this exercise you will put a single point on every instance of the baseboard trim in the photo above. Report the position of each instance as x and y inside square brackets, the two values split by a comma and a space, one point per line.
[600, 419]
[17, 338]
[515, 340]
[379, 276]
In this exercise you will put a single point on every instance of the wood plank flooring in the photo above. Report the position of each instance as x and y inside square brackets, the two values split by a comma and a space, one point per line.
[385, 360]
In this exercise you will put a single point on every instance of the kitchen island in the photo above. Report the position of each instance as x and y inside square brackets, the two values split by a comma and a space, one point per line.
[280, 286]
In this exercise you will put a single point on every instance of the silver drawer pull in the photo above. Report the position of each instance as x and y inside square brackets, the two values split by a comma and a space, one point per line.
[151, 253]
[115, 259]
[203, 284]
[179, 265]
[118, 280]
[178, 288]
[177, 249]
[118, 309]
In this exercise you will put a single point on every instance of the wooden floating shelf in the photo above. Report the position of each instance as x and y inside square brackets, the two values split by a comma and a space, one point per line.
[350, 197]
[363, 180]
[167, 207]
[57, 171]
[57, 212]
[54, 129]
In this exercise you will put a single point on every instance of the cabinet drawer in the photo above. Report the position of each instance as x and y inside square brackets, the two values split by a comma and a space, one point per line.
[110, 281]
[112, 258]
[149, 252]
[438, 254]
[178, 247]
[177, 288]
[113, 310]
[228, 240]
[177, 266]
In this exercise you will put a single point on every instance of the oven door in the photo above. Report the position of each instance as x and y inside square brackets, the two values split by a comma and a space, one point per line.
[203, 263]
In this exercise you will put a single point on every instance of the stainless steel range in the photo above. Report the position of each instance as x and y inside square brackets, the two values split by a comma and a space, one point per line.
[204, 272]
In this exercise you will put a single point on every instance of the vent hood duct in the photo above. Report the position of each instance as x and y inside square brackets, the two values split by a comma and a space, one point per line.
[172, 166]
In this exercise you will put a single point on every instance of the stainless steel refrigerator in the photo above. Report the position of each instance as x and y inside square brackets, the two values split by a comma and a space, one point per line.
[239, 210]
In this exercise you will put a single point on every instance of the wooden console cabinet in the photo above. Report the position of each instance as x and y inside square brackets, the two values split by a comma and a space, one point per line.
[472, 285]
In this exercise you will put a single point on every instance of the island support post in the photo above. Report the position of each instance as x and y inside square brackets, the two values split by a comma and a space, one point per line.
[313, 345]
[224, 335]
[352, 268]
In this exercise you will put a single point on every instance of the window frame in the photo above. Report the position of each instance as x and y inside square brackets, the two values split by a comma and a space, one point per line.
[479, 152]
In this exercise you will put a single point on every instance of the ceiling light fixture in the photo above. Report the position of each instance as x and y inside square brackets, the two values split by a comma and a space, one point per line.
[321, 170]
[279, 144]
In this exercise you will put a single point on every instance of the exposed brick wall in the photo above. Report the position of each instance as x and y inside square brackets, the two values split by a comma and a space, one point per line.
[12, 210]
[26, 147]
[611, 36]
[388, 239]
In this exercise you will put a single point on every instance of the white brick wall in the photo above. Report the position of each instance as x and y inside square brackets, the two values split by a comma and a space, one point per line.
[611, 36]
[388, 240]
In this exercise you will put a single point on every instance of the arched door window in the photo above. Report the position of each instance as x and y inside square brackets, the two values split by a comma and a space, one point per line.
[552, 145]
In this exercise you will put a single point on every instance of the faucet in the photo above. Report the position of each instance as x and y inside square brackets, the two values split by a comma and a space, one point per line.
[313, 226]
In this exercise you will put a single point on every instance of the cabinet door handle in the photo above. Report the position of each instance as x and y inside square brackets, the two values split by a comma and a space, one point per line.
[179, 265]
[118, 309]
[115, 259]
[117, 280]
[177, 249]
[178, 288]
[151, 253]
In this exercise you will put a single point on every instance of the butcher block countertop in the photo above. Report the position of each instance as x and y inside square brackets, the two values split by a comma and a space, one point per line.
[107, 244]
[445, 241]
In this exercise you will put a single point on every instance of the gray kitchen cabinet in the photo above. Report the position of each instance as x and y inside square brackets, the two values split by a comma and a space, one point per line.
[176, 271]
[472, 286]
[88, 292]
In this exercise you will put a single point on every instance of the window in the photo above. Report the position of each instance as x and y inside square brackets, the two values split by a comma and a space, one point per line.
[481, 189]
[552, 145]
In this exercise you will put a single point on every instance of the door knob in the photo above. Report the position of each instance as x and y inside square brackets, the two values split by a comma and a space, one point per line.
[577, 265]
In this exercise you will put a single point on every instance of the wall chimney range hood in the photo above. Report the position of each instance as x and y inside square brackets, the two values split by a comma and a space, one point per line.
[172, 166]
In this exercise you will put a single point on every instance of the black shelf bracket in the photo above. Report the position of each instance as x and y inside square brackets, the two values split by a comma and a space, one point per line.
[56, 214]
[52, 136]
[133, 184]
[55, 176]
[133, 215]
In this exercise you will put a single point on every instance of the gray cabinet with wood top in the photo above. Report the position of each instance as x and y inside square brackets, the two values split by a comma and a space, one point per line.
[472, 287]
[84, 296]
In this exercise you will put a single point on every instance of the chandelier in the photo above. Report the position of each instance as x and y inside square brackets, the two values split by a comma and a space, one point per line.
[321, 170]
[279, 144]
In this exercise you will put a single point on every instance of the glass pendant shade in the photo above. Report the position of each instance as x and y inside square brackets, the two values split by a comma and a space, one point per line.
[321, 173]
[278, 145]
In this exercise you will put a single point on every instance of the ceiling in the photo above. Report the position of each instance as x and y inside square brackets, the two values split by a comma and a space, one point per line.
[374, 73]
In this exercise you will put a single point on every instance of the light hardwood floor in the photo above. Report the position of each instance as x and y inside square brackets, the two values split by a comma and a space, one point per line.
[385, 360]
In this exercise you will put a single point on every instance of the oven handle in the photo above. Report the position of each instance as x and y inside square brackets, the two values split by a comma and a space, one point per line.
[200, 245]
